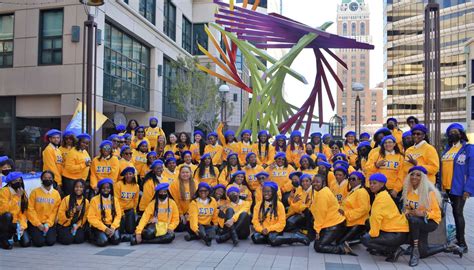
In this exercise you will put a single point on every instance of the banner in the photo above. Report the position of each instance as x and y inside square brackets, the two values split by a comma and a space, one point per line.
[76, 122]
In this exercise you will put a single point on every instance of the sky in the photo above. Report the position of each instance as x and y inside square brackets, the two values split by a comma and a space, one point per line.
[315, 13]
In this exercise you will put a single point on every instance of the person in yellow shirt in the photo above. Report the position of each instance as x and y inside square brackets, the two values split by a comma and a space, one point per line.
[105, 165]
[364, 137]
[197, 148]
[152, 132]
[389, 161]
[263, 149]
[295, 149]
[182, 192]
[172, 144]
[269, 220]
[238, 179]
[363, 150]
[421, 200]
[298, 215]
[126, 158]
[392, 125]
[213, 149]
[233, 218]
[184, 142]
[139, 137]
[77, 164]
[251, 169]
[128, 139]
[327, 138]
[160, 219]
[43, 205]
[422, 153]
[316, 142]
[280, 143]
[127, 192]
[308, 166]
[187, 159]
[72, 216]
[150, 158]
[202, 215]
[355, 208]
[6, 166]
[328, 221]
[150, 181]
[228, 141]
[67, 143]
[206, 172]
[279, 173]
[388, 227]
[336, 149]
[170, 173]
[13, 211]
[339, 186]
[104, 215]
[131, 127]
[52, 157]
[350, 147]
[232, 165]
[295, 180]
[160, 146]
[140, 159]
[262, 177]
[245, 145]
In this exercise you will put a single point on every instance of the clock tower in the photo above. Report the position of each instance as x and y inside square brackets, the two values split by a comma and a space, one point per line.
[353, 21]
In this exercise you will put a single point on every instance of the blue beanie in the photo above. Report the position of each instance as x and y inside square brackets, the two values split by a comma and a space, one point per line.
[454, 126]
[406, 134]
[321, 156]
[53, 132]
[127, 136]
[316, 134]
[152, 153]
[198, 132]
[153, 118]
[340, 155]
[3, 159]
[125, 147]
[232, 154]
[382, 130]
[232, 188]
[206, 155]
[359, 175]
[105, 143]
[139, 127]
[127, 170]
[271, 184]
[363, 144]
[341, 168]
[229, 133]
[364, 134]
[280, 137]
[325, 164]
[389, 137]
[419, 127]
[378, 177]
[280, 155]
[168, 160]
[245, 131]
[162, 186]
[68, 133]
[350, 133]
[303, 176]
[262, 132]
[120, 127]
[111, 137]
[342, 163]
[204, 185]
[295, 133]
[219, 186]
[295, 173]
[262, 173]
[141, 143]
[187, 152]
[13, 176]
[238, 173]
[249, 154]
[212, 134]
[168, 153]
[392, 119]
[326, 135]
[105, 181]
[83, 136]
[418, 168]
[155, 163]
[305, 157]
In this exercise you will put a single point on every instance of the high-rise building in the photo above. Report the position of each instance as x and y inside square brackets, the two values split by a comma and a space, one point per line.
[353, 21]
[404, 58]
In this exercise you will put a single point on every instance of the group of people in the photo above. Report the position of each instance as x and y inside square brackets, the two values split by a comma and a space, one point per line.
[144, 186]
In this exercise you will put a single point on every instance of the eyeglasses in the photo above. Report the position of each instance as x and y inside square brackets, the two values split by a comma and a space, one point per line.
[106, 147]
[261, 178]
[417, 133]
[352, 179]
[127, 153]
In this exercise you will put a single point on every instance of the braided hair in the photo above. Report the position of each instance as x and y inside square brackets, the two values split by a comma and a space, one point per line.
[272, 210]
[202, 169]
[112, 199]
[73, 202]
[157, 200]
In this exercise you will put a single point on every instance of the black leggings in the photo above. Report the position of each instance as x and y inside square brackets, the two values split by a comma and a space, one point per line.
[241, 226]
[457, 202]
[300, 221]
[386, 242]
[39, 239]
[101, 239]
[284, 198]
[128, 224]
[65, 236]
[328, 239]
[149, 235]
[8, 230]
[208, 231]
[353, 234]
[419, 230]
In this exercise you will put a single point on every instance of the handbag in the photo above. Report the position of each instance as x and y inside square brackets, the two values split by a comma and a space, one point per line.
[161, 228]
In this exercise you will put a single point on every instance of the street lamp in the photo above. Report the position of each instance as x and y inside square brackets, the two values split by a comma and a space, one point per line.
[357, 87]
[223, 90]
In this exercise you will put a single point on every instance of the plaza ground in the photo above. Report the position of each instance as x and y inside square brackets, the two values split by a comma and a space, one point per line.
[195, 255]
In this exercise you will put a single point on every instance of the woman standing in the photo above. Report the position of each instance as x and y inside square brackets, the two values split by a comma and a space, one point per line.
[295, 149]
[197, 148]
[150, 181]
[182, 192]
[279, 173]
[77, 163]
[350, 147]
[206, 172]
[67, 143]
[105, 165]
[127, 193]
[153, 132]
[140, 158]
[263, 149]
[104, 215]
[421, 202]
[13, 208]
[72, 216]
[458, 176]
[245, 145]
[160, 219]
[172, 143]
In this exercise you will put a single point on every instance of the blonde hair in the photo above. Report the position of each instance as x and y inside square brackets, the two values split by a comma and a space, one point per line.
[424, 189]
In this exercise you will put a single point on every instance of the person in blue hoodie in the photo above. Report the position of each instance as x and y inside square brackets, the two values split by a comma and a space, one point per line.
[457, 176]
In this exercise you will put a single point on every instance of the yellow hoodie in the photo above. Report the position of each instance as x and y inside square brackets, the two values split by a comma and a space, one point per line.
[393, 169]
[280, 175]
[53, 161]
[356, 207]
[182, 202]
[11, 203]
[202, 213]
[273, 222]
[385, 216]
[303, 203]
[167, 212]
[127, 195]
[63, 220]
[325, 209]
[426, 156]
[239, 208]
[250, 175]
[43, 206]
[104, 168]
[75, 164]
[434, 212]
[94, 214]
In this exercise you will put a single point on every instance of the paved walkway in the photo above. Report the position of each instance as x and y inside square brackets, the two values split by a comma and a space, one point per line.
[194, 255]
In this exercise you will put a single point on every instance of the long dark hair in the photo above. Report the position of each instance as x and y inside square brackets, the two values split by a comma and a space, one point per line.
[129, 129]
[462, 138]
[314, 144]
[273, 210]
[112, 199]
[244, 182]
[292, 143]
[72, 204]
[202, 169]
[360, 157]
[267, 146]
[74, 140]
[311, 164]
[187, 143]
[78, 144]
[279, 148]
[229, 167]
[134, 181]
[157, 200]
[24, 198]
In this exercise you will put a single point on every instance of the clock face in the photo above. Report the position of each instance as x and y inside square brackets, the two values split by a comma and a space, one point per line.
[353, 6]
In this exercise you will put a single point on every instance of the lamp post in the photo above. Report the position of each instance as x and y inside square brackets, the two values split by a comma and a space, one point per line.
[223, 90]
[357, 87]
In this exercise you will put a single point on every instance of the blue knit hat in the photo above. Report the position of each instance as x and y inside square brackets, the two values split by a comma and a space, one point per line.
[121, 127]
[389, 137]
[139, 127]
[303, 176]
[206, 155]
[295, 133]
[127, 170]
[305, 157]
[280, 137]
[233, 188]
[152, 153]
[68, 133]
[218, 186]
[378, 177]
[364, 134]
[359, 175]
[326, 135]
[280, 155]
[454, 126]
[382, 130]
[204, 185]
[198, 132]
[127, 136]
[105, 181]
[187, 152]
[229, 133]
[168, 153]
[325, 164]
[168, 160]
[339, 163]
[262, 173]
[342, 155]
[83, 136]
[141, 143]
[419, 127]
[13, 176]
[321, 156]
[240, 172]
[105, 143]
[295, 173]
[162, 186]
[271, 184]
[212, 134]
[340, 168]
[350, 133]
[406, 134]
[262, 132]
[316, 134]
[153, 118]
[363, 144]
[53, 132]
[125, 147]
[112, 137]
[155, 163]
[3, 159]
[418, 168]
[232, 154]
[245, 131]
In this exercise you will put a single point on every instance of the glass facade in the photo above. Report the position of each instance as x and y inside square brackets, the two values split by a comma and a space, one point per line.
[199, 37]
[7, 125]
[6, 40]
[169, 19]
[169, 76]
[404, 37]
[147, 9]
[187, 36]
[126, 69]
[51, 37]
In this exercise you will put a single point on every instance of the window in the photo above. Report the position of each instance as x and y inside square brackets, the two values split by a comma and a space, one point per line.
[344, 29]
[199, 37]
[362, 29]
[187, 36]
[169, 20]
[353, 29]
[147, 9]
[126, 69]
[235, 97]
[374, 117]
[6, 40]
[51, 37]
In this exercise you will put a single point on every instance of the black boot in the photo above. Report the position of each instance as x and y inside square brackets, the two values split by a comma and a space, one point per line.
[414, 257]
[126, 237]
[301, 238]
[6, 244]
[234, 237]
[222, 238]
[202, 234]
[462, 244]
[133, 241]
[190, 237]
[455, 249]
[393, 257]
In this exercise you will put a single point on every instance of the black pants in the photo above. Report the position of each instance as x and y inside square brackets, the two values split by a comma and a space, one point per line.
[65, 236]
[386, 242]
[241, 226]
[128, 224]
[353, 234]
[101, 239]
[328, 239]
[8, 230]
[208, 231]
[67, 186]
[149, 235]
[38, 237]
[458, 203]
[284, 198]
[183, 227]
[419, 230]
[258, 238]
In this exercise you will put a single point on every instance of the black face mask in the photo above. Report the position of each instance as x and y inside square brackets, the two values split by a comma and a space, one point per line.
[47, 183]
[390, 126]
[162, 196]
[309, 152]
[453, 138]
[153, 125]
[234, 198]
[16, 186]
[295, 184]
[103, 194]
[407, 145]
[6, 172]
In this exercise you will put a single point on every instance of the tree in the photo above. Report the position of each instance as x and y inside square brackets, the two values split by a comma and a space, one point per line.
[195, 94]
